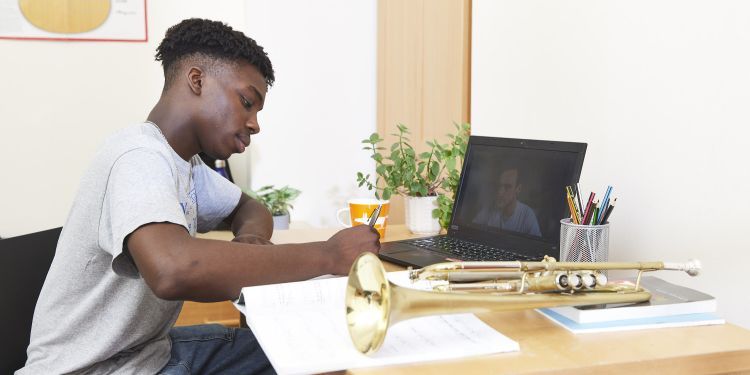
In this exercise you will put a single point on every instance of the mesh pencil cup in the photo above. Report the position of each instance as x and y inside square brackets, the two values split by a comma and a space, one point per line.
[583, 243]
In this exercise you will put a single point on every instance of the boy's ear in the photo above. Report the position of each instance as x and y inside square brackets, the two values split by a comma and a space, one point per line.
[195, 77]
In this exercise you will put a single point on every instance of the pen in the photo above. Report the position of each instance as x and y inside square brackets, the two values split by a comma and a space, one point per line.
[374, 216]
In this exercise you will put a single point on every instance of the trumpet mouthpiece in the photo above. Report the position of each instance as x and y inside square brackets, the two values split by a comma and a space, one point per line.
[692, 267]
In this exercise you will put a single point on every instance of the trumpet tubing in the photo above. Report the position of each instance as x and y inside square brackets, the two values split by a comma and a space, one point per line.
[466, 271]
[560, 281]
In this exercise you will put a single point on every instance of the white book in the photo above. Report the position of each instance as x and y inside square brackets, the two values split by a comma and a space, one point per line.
[633, 324]
[302, 328]
[667, 299]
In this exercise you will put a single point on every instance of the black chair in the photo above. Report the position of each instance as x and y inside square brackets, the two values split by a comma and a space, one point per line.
[24, 262]
[211, 162]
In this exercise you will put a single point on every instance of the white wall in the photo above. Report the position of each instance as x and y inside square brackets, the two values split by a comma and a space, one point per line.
[660, 91]
[322, 104]
[61, 99]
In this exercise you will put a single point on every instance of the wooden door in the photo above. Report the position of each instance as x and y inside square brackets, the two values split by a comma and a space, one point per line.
[424, 51]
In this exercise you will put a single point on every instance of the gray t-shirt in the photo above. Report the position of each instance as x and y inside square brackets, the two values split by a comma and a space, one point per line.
[95, 314]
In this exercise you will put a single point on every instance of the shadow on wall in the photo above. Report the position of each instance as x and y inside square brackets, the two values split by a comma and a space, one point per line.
[338, 197]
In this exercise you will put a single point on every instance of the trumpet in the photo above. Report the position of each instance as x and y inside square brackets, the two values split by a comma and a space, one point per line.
[373, 303]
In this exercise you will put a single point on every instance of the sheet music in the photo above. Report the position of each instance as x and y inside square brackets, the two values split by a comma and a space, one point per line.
[302, 329]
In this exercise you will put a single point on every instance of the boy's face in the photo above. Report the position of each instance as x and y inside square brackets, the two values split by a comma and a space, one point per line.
[230, 101]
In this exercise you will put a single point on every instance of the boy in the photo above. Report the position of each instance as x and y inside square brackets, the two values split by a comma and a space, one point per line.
[127, 256]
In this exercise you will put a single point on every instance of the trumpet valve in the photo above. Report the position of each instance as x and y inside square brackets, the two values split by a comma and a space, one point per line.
[601, 279]
[588, 280]
[575, 281]
[566, 281]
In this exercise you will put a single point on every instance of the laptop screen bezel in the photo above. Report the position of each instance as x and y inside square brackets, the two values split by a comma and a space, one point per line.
[504, 239]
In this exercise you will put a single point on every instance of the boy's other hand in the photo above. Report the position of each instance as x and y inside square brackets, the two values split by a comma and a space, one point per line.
[346, 245]
[252, 239]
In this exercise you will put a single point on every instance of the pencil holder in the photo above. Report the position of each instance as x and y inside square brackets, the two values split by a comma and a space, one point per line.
[583, 243]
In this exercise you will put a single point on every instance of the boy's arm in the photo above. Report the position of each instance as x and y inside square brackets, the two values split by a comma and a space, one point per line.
[177, 266]
[251, 222]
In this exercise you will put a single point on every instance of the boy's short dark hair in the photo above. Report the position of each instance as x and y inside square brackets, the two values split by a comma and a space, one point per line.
[209, 41]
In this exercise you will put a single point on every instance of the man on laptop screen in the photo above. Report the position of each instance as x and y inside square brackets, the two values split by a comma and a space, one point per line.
[506, 211]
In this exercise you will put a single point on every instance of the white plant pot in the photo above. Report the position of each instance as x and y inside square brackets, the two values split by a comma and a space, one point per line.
[281, 222]
[419, 218]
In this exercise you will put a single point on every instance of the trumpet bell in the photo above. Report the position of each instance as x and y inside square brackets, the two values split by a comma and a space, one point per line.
[368, 303]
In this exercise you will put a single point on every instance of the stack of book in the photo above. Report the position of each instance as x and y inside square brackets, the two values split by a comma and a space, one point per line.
[670, 306]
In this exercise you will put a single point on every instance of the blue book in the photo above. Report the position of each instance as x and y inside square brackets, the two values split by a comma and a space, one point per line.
[633, 324]
[667, 299]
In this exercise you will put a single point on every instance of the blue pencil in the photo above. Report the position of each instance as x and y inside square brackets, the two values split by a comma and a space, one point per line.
[605, 203]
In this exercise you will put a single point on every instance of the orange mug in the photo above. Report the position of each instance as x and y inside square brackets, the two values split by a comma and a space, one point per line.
[360, 211]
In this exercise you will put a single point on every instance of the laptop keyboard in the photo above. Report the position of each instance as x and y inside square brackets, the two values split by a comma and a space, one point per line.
[465, 250]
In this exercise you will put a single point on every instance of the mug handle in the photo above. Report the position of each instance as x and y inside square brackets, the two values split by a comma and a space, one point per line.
[338, 217]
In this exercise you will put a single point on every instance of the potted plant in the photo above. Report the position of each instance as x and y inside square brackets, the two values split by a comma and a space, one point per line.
[427, 180]
[278, 201]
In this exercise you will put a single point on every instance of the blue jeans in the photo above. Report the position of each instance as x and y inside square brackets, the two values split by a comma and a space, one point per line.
[215, 349]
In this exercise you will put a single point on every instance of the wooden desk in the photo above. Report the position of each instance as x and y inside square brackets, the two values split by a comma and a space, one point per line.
[547, 348]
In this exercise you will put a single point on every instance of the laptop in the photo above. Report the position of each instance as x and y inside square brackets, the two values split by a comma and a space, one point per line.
[508, 206]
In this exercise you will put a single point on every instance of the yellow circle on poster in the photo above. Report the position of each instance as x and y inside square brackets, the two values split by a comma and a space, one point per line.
[65, 16]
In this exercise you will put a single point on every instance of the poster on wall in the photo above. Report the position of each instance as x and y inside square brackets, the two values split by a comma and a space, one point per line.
[76, 20]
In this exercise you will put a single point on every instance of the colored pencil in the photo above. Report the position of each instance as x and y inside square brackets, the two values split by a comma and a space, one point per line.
[595, 216]
[596, 212]
[605, 204]
[609, 211]
[570, 206]
[579, 210]
[587, 213]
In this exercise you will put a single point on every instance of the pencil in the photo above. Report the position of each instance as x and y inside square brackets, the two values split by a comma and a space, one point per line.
[605, 204]
[569, 199]
[595, 217]
[576, 210]
[587, 213]
[609, 211]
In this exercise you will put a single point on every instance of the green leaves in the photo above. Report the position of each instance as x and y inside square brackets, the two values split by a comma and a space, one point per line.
[401, 170]
[450, 164]
[278, 201]
[374, 138]
[387, 192]
[444, 211]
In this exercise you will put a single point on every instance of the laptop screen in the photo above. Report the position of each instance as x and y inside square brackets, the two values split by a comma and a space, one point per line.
[515, 187]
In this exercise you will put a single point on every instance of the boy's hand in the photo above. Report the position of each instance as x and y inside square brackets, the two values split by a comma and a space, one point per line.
[346, 245]
[252, 239]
